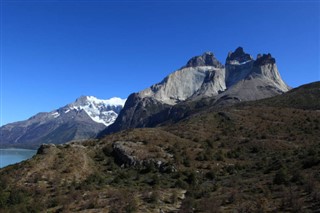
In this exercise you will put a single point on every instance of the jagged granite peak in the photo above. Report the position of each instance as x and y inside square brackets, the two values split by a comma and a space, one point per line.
[238, 66]
[185, 83]
[205, 77]
[241, 79]
[253, 80]
[206, 59]
[264, 69]
[264, 59]
[268, 71]
[238, 56]
[82, 119]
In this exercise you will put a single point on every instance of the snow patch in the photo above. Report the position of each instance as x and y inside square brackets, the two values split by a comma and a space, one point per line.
[115, 101]
[55, 114]
[98, 110]
[235, 62]
[245, 62]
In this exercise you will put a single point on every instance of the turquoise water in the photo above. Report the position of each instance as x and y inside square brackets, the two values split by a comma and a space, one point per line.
[12, 156]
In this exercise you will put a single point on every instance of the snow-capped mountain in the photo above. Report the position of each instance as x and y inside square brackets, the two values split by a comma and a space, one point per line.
[243, 78]
[82, 119]
[100, 111]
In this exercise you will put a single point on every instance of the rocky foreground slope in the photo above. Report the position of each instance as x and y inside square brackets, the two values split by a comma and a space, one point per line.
[242, 78]
[260, 156]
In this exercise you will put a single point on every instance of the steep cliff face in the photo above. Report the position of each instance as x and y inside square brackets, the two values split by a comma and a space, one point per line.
[186, 83]
[238, 65]
[266, 67]
[137, 111]
[249, 79]
[241, 79]
[206, 59]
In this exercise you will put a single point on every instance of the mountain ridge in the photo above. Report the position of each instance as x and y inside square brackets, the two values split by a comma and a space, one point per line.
[81, 119]
[242, 78]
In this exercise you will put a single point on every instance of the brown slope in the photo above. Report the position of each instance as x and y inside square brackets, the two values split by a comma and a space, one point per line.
[250, 158]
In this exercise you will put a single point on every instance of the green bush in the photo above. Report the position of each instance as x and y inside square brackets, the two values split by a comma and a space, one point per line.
[211, 175]
[281, 177]
[219, 156]
[310, 162]
[298, 178]
[181, 184]
[4, 196]
[16, 196]
[107, 150]
[192, 178]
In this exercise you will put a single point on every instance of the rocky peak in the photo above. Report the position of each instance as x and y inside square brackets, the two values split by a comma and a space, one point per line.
[264, 59]
[91, 100]
[203, 77]
[100, 111]
[82, 100]
[239, 56]
[206, 59]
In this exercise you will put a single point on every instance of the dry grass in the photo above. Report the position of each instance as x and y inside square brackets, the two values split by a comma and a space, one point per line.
[248, 158]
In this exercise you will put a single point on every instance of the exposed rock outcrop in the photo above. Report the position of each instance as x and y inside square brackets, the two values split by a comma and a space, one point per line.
[138, 154]
[45, 149]
[249, 79]
[264, 59]
[238, 66]
[206, 59]
[186, 83]
[238, 57]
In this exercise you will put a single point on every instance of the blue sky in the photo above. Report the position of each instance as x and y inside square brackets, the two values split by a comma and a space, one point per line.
[55, 51]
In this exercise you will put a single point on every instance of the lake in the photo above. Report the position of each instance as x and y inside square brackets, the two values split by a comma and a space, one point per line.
[12, 156]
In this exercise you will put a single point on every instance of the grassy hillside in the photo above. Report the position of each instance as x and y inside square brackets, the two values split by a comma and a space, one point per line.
[257, 157]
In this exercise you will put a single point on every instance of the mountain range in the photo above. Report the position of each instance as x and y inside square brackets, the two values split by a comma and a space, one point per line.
[82, 119]
[242, 78]
[203, 80]
[219, 138]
